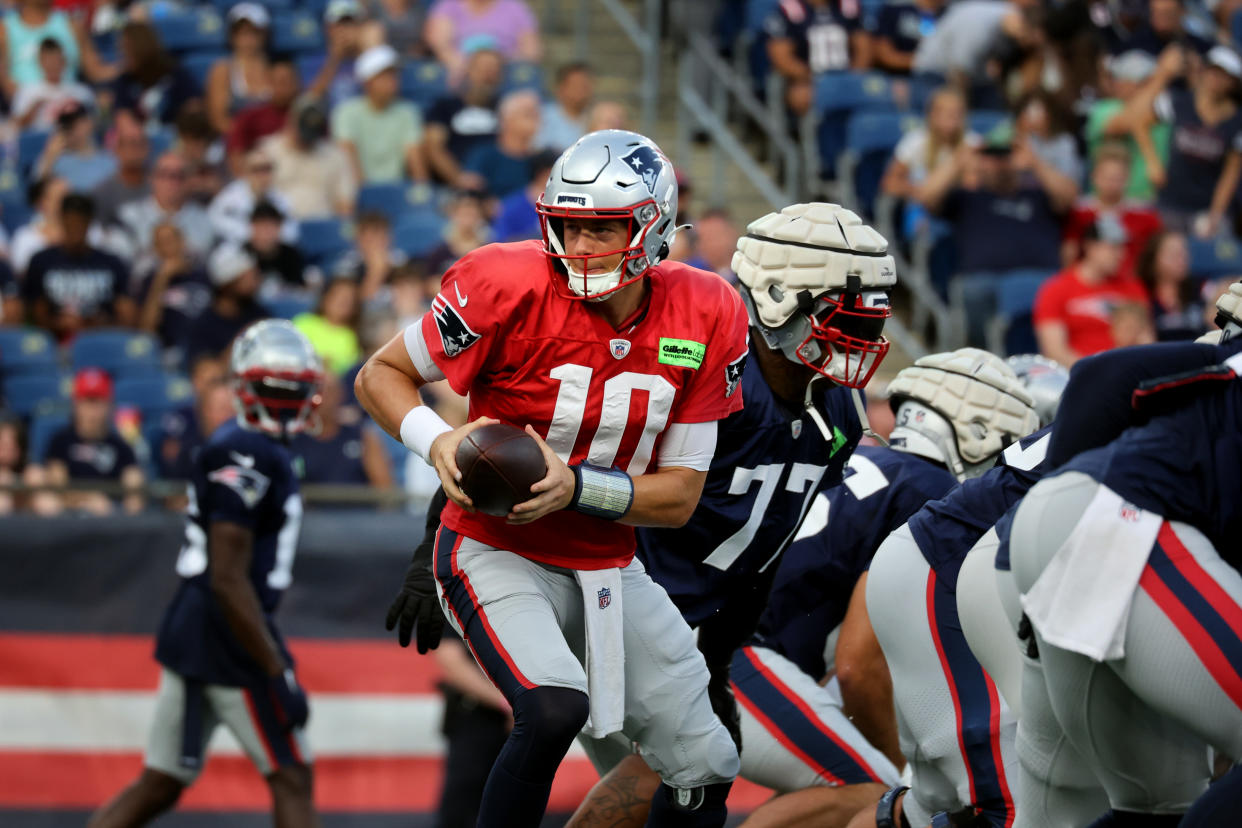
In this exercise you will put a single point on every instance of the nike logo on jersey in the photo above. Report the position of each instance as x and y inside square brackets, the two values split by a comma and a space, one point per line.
[461, 300]
[246, 460]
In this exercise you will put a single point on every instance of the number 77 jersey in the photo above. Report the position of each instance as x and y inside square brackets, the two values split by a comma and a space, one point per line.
[501, 333]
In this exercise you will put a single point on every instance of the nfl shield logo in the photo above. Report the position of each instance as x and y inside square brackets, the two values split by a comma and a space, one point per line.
[796, 428]
[605, 597]
[619, 348]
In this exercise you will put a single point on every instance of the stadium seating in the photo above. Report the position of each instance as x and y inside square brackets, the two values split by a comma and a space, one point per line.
[121, 353]
[322, 240]
[519, 75]
[297, 31]
[983, 121]
[30, 144]
[26, 351]
[41, 431]
[1215, 258]
[1010, 330]
[155, 394]
[26, 394]
[423, 82]
[838, 95]
[223, 6]
[870, 138]
[197, 29]
[389, 199]
[418, 232]
[199, 64]
[289, 305]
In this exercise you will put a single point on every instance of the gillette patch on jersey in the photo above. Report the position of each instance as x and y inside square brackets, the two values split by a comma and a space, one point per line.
[455, 334]
[684, 353]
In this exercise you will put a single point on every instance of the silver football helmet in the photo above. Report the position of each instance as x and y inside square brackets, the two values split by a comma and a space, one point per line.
[276, 378]
[610, 174]
[1044, 379]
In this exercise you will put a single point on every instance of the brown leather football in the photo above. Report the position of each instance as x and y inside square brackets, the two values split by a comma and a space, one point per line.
[499, 463]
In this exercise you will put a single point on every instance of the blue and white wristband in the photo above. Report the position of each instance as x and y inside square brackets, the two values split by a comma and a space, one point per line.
[600, 492]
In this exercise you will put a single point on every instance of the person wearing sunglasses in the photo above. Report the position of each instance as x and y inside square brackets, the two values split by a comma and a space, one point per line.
[168, 201]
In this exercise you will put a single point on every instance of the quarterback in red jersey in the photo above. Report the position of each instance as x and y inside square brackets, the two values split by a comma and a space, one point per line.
[619, 364]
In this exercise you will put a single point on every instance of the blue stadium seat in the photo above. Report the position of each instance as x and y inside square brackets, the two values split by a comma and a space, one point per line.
[757, 11]
[520, 75]
[870, 138]
[155, 394]
[289, 305]
[26, 351]
[423, 82]
[838, 95]
[418, 232]
[1010, 331]
[199, 64]
[984, 121]
[160, 141]
[120, 353]
[922, 87]
[296, 31]
[309, 66]
[27, 393]
[191, 30]
[321, 240]
[223, 6]
[42, 427]
[30, 144]
[389, 199]
[1215, 258]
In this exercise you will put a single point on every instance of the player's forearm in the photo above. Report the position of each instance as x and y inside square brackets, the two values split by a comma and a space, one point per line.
[666, 498]
[387, 393]
[241, 610]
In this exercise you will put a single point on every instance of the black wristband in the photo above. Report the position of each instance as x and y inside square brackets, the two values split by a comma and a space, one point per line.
[600, 492]
[884, 810]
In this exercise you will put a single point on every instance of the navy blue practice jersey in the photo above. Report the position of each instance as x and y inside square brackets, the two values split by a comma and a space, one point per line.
[947, 529]
[770, 462]
[883, 487]
[246, 478]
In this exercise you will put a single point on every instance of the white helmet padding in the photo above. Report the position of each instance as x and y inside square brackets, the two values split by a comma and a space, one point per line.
[1229, 313]
[976, 393]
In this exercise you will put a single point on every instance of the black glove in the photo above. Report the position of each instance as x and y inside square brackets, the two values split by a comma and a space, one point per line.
[417, 602]
[724, 705]
[292, 708]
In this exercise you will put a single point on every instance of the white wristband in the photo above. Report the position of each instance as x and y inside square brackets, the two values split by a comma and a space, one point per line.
[420, 427]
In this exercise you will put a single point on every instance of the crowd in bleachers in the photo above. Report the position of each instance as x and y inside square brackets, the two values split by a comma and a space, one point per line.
[1064, 172]
[172, 171]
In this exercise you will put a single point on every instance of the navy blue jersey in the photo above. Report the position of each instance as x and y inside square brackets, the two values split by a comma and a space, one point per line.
[946, 529]
[246, 478]
[820, 33]
[770, 461]
[883, 488]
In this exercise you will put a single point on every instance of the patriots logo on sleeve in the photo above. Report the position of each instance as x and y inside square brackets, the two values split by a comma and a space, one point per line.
[646, 163]
[246, 483]
[455, 334]
[733, 375]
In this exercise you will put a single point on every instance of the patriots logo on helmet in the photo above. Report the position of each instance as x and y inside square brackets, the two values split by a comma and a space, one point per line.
[733, 375]
[647, 163]
[247, 483]
[605, 597]
[455, 334]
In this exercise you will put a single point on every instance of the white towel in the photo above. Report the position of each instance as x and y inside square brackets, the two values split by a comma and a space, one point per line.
[1081, 601]
[605, 650]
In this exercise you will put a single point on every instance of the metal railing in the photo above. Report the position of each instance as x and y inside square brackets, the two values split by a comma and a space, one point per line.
[646, 39]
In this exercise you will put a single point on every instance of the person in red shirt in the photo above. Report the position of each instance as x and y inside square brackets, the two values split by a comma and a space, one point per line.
[1109, 177]
[267, 118]
[619, 364]
[1073, 310]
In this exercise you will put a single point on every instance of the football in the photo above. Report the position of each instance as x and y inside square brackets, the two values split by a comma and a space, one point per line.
[499, 463]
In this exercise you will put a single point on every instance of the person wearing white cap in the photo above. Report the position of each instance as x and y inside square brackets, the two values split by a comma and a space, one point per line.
[382, 134]
[243, 77]
[234, 277]
[1205, 153]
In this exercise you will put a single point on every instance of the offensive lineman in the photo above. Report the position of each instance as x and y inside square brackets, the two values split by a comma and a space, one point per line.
[619, 365]
[223, 660]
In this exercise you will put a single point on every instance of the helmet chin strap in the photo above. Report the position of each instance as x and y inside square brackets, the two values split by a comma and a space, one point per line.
[861, 407]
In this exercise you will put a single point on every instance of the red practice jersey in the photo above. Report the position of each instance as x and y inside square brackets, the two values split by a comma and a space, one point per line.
[500, 332]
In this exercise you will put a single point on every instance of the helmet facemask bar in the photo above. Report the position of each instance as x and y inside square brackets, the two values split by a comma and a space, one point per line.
[278, 403]
[572, 271]
[846, 341]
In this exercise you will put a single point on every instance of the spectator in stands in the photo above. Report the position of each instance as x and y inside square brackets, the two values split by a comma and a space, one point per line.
[900, 26]
[411, 294]
[332, 327]
[24, 28]
[516, 218]
[459, 123]
[344, 450]
[244, 76]
[467, 230]
[564, 119]
[281, 265]
[1044, 125]
[235, 284]
[505, 166]
[925, 148]
[12, 312]
[716, 237]
[1131, 324]
[151, 82]
[204, 156]
[966, 37]
[1108, 184]
[381, 134]
[1005, 209]
[343, 28]
[509, 24]
[835, 29]
[12, 461]
[44, 227]
[71, 152]
[1162, 27]
[230, 211]
[265, 118]
[90, 449]
[213, 407]
[1108, 120]
[171, 289]
[38, 103]
[608, 115]
[399, 23]
[1073, 310]
[1205, 153]
[313, 173]
[70, 286]
[1177, 306]
[373, 261]
[168, 202]
[129, 144]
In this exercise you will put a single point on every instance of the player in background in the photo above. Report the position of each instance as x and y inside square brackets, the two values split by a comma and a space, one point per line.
[951, 724]
[815, 280]
[798, 738]
[618, 364]
[223, 660]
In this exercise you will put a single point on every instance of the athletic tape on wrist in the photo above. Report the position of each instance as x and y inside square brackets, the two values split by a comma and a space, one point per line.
[600, 492]
[420, 427]
[888, 803]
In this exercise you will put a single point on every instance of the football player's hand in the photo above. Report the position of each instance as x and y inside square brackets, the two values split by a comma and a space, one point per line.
[289, 698]
[417, 605]
[552, 494]
[443, 456]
